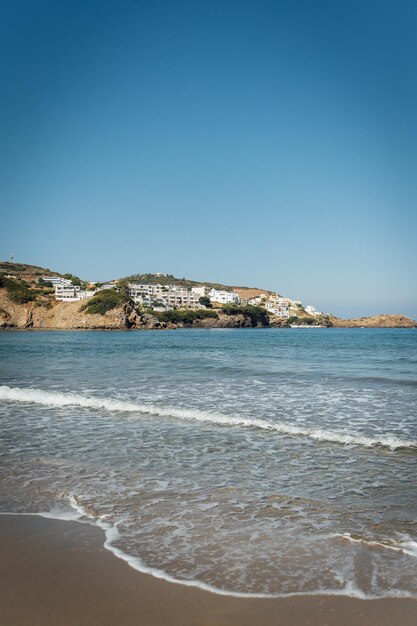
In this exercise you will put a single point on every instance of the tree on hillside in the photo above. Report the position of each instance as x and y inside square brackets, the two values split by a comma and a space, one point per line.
[205, 302]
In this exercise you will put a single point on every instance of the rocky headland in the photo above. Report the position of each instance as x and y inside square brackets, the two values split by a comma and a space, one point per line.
[26, 302]
[377, 321]
[71, 316]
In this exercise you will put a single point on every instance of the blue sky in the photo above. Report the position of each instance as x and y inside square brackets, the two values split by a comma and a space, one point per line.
[268, 144]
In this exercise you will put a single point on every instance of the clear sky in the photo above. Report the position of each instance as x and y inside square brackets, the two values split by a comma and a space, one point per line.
[263, 143]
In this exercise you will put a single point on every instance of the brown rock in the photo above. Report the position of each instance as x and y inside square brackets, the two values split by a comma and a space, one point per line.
[377, 321]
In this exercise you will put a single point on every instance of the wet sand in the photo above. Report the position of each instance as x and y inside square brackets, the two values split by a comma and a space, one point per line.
[56, 573]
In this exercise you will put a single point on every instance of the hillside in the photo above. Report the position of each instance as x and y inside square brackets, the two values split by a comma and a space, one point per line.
[24, 270]
[32, 272]
[169, 279]
[26, 303]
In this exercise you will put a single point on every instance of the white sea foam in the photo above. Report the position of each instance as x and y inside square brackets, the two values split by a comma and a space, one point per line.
[78, 513]
[57, 399]
[404, 544]
[112, 535]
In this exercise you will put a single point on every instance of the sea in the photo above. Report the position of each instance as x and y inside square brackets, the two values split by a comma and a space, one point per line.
[250, 462]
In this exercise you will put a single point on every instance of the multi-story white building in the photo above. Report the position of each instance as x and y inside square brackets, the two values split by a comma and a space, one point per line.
[144, 289]
[57, 280]
[168, 296]
[72, 293]
[181, 297]
[224, 297]
[69, 293]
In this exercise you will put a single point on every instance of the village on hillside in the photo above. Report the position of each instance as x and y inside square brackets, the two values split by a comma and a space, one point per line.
[166, 297]
[28, 294]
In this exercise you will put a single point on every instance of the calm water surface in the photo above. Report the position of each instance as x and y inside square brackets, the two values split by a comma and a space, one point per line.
[253, 461]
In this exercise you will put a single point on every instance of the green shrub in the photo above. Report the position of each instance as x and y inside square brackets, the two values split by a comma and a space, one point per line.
[44, 283]
[205, 302]
[18, 290]
[104, 301]
[74, 279]
[20, 296]
[257, 315]
[185, 316]
[46, 304]
[308, 321]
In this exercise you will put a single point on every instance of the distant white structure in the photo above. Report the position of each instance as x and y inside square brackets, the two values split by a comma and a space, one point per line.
[312, 310]
[145, 289]
[258, 299]
[71, 293]
[280, 301]
[106, 286]
[224, 297]
[83, 294]
[179, 296]
[57, 280]
[280, 310]
[202, 291]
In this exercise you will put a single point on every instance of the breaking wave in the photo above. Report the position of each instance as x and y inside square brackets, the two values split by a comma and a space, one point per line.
[57, 399]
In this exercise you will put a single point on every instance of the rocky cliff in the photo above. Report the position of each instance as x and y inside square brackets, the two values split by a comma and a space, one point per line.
[70, 316]
[61, 315]
[47, 313]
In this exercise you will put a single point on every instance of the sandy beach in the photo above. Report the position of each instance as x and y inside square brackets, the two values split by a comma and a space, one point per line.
[58, 573]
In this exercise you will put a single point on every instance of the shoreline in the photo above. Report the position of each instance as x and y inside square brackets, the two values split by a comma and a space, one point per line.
[32, 329]
[59, 572]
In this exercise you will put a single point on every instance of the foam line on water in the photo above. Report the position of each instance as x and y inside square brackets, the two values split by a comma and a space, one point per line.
[405, 545]
[58, 399]
[112, 535]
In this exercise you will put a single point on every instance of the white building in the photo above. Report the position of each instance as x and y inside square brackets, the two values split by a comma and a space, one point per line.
[69, 293]
[224, 297]
[72, 293]
[280, 310]
[202, 291]
[312, 310]
[84, 294]
[145, 289]
[143, 300]
[57, 280]
[107, 286]
[180, 297]
[156, 295]
[258, 299]
[288, 302]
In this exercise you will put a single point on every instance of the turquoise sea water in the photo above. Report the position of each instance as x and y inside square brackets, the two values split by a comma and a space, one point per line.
[250, 461]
